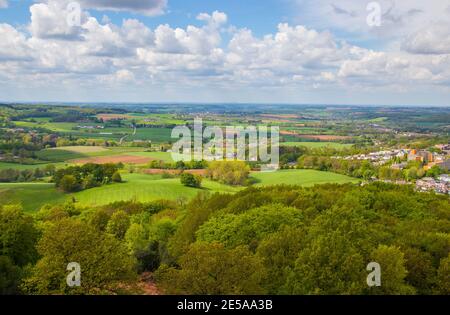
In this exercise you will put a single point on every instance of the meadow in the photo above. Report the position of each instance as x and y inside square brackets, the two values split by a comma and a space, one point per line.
[32, 196]
[300, 177]
[144, 188]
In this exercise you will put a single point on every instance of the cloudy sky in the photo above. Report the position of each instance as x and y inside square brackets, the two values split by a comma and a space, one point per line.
[271, 51]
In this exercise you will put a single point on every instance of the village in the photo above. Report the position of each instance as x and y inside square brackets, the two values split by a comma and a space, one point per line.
[398, 159]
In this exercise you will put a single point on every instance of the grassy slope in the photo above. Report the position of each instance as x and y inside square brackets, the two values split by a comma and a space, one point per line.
[163, 156]
[32, 196]
[20, 167]
[145, 188]
[58, 155]
[300, 177]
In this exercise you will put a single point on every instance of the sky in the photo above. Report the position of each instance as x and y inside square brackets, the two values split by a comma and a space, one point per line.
[387, 52]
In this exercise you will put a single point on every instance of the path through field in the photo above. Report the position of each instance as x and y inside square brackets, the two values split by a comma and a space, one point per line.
[126, 136]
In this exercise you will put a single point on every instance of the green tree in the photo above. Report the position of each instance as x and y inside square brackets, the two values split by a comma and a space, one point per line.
[191, 180]
[229, 172]
[279, 252]
[443, 276]
[212, 269]
[69, 184]
[10, 275]
[250, 227]
[393, 271]
[99, 219]
[116, 178]
[330, 264]
[18, 236]
[118, 224]
[103, 260]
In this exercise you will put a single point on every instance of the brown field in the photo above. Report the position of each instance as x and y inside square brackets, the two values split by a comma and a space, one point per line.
[325, 137]
[126, 159]
[107, 117]
[154, 171]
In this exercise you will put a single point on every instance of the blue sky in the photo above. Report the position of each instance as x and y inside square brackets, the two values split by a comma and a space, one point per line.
[286, 51]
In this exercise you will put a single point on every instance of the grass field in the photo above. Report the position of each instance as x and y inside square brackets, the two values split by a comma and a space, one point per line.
[162, 156]
[145, 188]
[21, 167]
[315, 145]
[156, 135]
[32, 196]
[300, 177]
[58, 155]
[83, 149]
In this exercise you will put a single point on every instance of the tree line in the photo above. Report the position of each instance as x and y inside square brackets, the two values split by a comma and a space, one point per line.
[272, 240]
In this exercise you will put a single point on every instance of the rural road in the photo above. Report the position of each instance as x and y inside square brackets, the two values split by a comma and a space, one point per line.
[126, 136]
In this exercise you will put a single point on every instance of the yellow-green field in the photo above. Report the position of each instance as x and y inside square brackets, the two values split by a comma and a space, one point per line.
[144, 188]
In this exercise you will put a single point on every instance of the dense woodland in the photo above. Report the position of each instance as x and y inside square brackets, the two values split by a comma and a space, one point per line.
[277, 240]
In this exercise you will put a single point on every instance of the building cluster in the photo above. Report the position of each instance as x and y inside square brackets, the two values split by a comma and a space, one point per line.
[426, 157]
[90, 127]
[430, 159]
[380, 157]
[440, 185]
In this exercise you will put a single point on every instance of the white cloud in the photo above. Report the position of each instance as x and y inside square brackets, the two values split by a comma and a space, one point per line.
[434, 39]
[13, 46]
[103, 54]
[146, 7]
[349, 17]
[50, 20]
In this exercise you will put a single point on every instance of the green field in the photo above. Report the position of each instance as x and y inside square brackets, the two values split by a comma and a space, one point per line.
[156, 135]
[21, 167]
[315, 145]
[58, 155]
[77, 152]
[32, 196]
[162, 156]
[145, 188]
[300, 177]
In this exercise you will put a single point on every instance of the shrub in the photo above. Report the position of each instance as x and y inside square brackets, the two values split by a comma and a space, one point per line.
[190, 180]
[116, 178]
